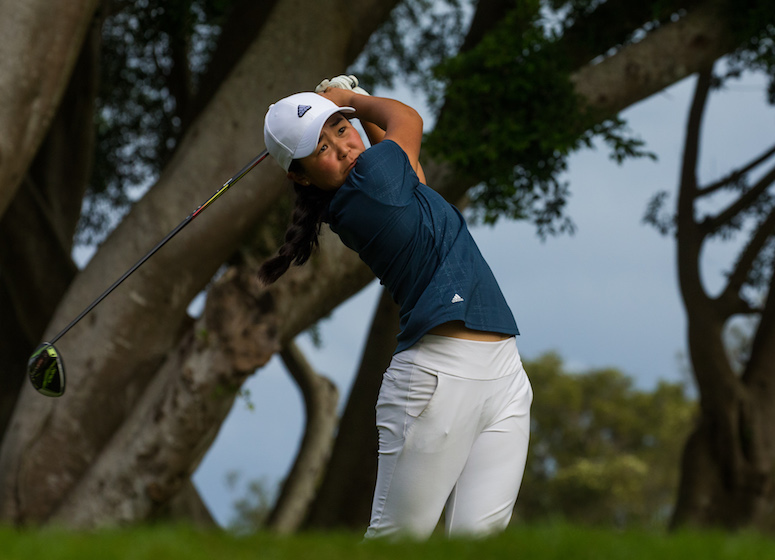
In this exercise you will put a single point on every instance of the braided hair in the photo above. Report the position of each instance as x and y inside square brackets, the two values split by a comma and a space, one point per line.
[301, 237]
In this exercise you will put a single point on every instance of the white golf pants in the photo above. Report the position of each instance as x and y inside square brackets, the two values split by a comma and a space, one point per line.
[454, 419]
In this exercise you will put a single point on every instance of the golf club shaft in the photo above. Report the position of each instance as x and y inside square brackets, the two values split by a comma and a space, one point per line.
[244, 171]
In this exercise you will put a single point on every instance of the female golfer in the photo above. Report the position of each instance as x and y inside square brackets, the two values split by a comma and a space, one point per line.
[453, 411]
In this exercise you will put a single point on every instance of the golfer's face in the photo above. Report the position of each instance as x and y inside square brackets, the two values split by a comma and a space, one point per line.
[334, 157]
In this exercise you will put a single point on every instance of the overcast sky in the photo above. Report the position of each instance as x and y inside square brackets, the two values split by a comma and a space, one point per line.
[606, 296]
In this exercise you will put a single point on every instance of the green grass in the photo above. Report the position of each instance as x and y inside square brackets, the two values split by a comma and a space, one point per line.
[560, 542]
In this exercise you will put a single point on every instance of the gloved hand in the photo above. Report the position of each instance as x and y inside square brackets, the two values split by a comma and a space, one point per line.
[344, 82]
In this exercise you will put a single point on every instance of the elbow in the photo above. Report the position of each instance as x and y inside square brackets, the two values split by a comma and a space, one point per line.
[411, 118]
[416, 116]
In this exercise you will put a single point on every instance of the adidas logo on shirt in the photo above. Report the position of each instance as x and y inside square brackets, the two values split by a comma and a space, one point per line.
[457, 299]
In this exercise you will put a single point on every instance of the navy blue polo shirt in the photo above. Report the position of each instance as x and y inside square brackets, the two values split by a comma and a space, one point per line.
[418, 245]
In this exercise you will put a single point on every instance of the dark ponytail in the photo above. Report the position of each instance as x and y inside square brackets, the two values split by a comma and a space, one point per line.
[301, 237]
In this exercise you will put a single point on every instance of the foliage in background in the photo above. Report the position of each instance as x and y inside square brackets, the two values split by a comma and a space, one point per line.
[521, 141]
[252, 509]
[751, 21]
[152, 57]
[602, 452]
[418, 36]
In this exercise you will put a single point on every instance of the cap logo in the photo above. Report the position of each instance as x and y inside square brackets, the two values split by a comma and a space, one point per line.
[302, 109]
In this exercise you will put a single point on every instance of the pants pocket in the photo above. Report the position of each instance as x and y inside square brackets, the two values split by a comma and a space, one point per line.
[422, 386]
[405, 393]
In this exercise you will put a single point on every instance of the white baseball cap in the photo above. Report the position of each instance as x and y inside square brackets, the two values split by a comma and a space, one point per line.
[292, 125]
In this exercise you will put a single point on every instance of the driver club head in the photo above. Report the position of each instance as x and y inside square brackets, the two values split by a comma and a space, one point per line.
[47, 370]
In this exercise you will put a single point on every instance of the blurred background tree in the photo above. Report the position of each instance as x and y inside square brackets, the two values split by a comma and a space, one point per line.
[602, 451]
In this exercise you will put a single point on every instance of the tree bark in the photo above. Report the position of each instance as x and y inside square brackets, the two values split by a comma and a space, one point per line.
[320, 399]
[40, 45]
[665, 57]
[173, 424]
[611, 25]
[36, 231]
[186, 507]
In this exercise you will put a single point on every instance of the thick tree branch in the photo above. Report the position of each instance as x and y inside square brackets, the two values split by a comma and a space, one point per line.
[736, 175]
[689, 236]
[488, 15]
[244, 23]
[747, 200]
[36, 231]
[664, 57]
[758, 374]
[611, 25]
[320, 398]
[40, 47]
[730, 296]
[345, 494]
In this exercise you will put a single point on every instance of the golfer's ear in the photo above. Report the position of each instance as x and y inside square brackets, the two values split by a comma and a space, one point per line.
[298, 178]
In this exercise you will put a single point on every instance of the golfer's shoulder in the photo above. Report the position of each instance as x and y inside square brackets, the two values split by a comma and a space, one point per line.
[386, 152]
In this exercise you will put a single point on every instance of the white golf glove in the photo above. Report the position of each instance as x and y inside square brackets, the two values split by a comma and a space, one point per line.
[343, 82]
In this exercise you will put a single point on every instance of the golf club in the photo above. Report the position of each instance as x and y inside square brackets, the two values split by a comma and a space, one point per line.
[45, 366]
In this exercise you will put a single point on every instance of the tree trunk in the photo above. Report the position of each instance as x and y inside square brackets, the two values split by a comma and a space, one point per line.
[40, 44]
[345, 495]
[320, 399]
[36, 231]
[729, 460]
[186, 507]
[173, 424]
